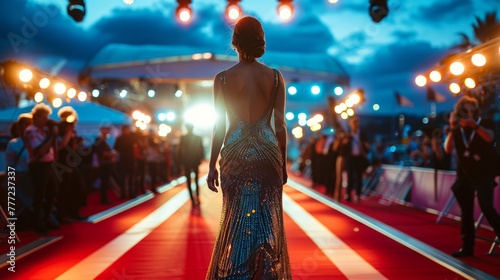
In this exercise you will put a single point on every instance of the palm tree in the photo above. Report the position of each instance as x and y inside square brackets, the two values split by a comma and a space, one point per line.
[487, 29]
[484, 30]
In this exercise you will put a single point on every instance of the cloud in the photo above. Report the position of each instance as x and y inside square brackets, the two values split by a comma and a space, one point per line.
[307, 33]
[443, 12]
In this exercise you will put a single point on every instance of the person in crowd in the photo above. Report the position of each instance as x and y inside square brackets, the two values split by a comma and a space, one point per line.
[356, 147]
[152, 157]
[191, 154]
[40, 139]
[318, 164]
[139, 148]
[251, 242]
[106, 158]
[71, 195]
[472, 137]
[124, 145]
[16, 157]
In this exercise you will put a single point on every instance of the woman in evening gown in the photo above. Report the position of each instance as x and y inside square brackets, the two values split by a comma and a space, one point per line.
[251, 242]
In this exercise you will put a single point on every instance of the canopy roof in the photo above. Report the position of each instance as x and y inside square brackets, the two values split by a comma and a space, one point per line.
[118, 61]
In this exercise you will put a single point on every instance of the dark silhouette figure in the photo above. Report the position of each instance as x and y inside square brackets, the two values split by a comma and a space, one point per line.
[190, 155]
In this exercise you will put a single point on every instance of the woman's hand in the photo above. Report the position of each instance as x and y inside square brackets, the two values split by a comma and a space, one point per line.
[213, 179]
[285, 174]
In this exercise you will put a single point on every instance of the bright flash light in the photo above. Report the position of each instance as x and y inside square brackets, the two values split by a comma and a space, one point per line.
[171, 116]
[333, 1]
[184, 14]
[376, 107]
[457, 68]
[71, 93]
[82, 96]
[289, 116]
[233, 11]
[338, 109]
[435, 76]
[350, 112]
[96, 93]
[302, 122]
[420, 80]
[151, 93]
[57, 102]
[59, 88]
[201, 116]
[355, 98]
[344, 116]
[178, 93]
[162, 117]
[315, 127]
[25, 75]
[285, 11]
[292, 90]
[38, 97]
[302, 116]
[44, 83]
[315, 90]
[455, 88]
[136, 115]
[338, 91]
[123, 93]
[470, 83]
[298, 132]
[128, 2]
[342, 107]
[478, 60]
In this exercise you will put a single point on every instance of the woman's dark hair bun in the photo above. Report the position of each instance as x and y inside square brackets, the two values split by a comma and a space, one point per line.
[248, 38]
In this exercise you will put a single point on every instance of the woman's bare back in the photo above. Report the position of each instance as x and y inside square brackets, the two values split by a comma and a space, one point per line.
[249, 89]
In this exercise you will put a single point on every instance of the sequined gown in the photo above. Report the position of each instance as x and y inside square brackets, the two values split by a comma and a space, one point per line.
[251, 243]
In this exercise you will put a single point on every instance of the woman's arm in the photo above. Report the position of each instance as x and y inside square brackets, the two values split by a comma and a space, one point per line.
[217, 135]
[279, 121]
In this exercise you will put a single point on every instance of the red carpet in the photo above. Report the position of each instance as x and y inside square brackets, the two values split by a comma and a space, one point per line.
[179, 246]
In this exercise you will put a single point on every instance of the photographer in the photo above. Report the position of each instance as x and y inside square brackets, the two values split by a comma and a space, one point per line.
[472, 138]
[71, 182]
[39, 140]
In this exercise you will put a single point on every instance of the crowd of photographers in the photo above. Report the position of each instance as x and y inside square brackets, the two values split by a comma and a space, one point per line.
[55, 170]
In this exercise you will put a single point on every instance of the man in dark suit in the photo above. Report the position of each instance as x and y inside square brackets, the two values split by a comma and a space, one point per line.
[356, 146]
[190, 155]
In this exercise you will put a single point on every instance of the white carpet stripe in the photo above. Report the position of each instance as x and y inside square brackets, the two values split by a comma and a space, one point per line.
[100, 260]
[341, 255]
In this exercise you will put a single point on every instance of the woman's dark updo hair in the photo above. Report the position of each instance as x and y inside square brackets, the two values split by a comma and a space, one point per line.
[248, 38]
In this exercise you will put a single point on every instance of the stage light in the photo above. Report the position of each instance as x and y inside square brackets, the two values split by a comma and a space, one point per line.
[25, 75]
[455, 88]
[457, 68]
[183, 11]
[378, 10]
[82, 96]
[285, 9]
[71, 93]
[76, 9]
[233, 10]
[128, 2]
[151, 93]
[435, 76]
[420, 80]
[44, 83]
[478, 60]
[57, 102]
[470, 83]
[38, 97]
[59, 88]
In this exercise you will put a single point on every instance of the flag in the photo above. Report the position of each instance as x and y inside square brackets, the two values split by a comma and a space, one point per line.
[402, 100]
[433, 96]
